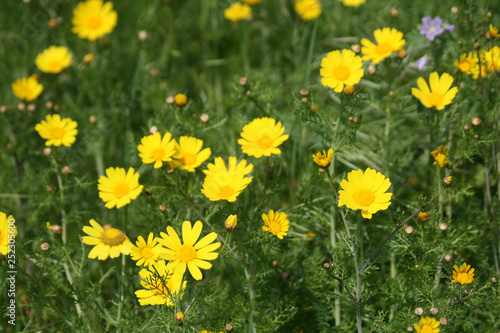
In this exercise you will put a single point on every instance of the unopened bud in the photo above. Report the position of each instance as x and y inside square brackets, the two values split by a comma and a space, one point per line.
[243, 81]
[454, 10]
[355, 120]
[93, 119]
[88, 58]
[304, 92]
[142, 35]
[466, 127]
[204, 118]
[52, 23]
[355, 48]
[443, 321]
[326, 265]
[409, 229]
[409, 329]
[315, 107]
[45, 246]
[66, 170]
[31, 107]
[476, 121]
[47, 151]
[349, 90]
[424, 216]
[448, 257]
[56, 229]
[304, 100]
[402, 54]
[170, 100]
[49, 104]
[148, 191]
[274, 264]
[494, 280]
[49, 188]
[179, 315]
[394, 12]
[21, 106]
[448, 181]
[434, 310]
[231, 222]
[3, 109]
[56, 108]
[417, 266]
[170, 170]
[489, 14]
[443, 226]
[153, 129]
[229, 327]
[419, 311]
[372, 69]
[162, 208]
[477, 46]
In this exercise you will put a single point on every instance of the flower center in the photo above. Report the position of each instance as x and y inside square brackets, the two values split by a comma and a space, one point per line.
[265, 141]
[188, 159]
[94, 22]
[426, 329]
[158, 154]
[146, 252]
[112, 237]
[186, 253]
[435, 99]
[56, 132]
[364, 198]
[462, 278]
[226, 192]
[55, 64]
[342, 73]
[383, 49]
[120, 190]
[274, 227]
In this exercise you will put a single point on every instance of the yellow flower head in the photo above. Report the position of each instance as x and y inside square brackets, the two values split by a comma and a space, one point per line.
[339, 69]
[180, 100]
[262, 137]
[189, 154]
[427, 325]
[192, 253]
[57, 131]
[143, 251]
[154, 149]
[237, 12]
[27, 88]
[441, 156]
[492, 59]
[231, 222]
[308, 9]
[5, 232]
[388, 41]
[118, 188]
[440, 93]
[467, 62]
[53, 60]
[93, 19]
[276, 223]
[251, 2]
[108, 241]
[323, 160]
[365, 191]
[463, 274]
[352, 3]
[161, 285]
[226, 183]
[493, 31]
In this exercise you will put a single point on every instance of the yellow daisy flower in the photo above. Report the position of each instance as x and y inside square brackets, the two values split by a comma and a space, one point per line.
[118, 188]
[53, 60]
[308, 9]
[108, 241]
[223, 183]
[339, 69]
[388, 41]
[492, 59]
[467, 62]
[93, 19]
[5, 232]
[323, 160]
[189, 154]
[143, 251]
[154, 149]
[27, 88]
[441, 156]
[365, 191]
[192, 254]
[463, 274]
[440, 94]
[262, 137]
[276, 223]
[237, 12]
[161, 286]
[57, 131]
[427, 325]
[352, 3]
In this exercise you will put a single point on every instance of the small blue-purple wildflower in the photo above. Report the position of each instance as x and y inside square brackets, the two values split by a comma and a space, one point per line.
[421, 63]
[449, 27]
[431, 27]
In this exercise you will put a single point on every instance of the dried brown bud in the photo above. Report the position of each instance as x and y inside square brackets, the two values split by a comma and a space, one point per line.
[419, 311]
[56, 229]
[409, 229]
[494, 280]
[326, 265]
[66, 170]
[448, 181]
[424, 216]
[448, 257]
[162, 208]
[476, 121]
[466, 127]
[243, 81]
[148, 191]
[229, 327]
[350, 118]
[170, 170]
[356, 48]
[45, 246]
[443, 226]
[372, 69]
[49, 188]
[274, 264]
[304, 92]
[47, 151]
[21, 106]
[477, 46]
[434, 310]
[49, 104]
[304, 99]
[443, 321]
[454, 10]
[355, 120]
[204, 118]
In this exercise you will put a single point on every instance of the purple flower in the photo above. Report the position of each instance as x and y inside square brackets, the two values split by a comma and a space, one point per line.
[431, 27]
[421, 63]
[449, 27]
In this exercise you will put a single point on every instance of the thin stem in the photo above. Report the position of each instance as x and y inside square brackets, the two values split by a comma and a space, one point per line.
[122, 296]
[467, 297]
[396, 230]
[309, 53]
[347, 289]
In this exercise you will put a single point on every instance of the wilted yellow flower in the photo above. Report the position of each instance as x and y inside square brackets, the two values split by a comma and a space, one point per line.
[262, 137]
[276, 223]
[53, 60]
[463, 274]
[237, 12]
[189, 154]
[427, 325]
[352, 3]
[323, 160]
[440, 94]
[118, 188]
[441, 156]
[155, 149]
[308, 9]
[231, 222]
[365, 191]
[27, 88]
[108, 241]
[388, 41]
[93, 19]
[339, 69]
[57, 131]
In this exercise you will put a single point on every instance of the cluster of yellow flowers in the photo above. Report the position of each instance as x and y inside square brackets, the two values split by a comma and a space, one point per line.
[488, 61]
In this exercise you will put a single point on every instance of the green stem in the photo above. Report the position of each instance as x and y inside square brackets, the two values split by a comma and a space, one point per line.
[309, 53]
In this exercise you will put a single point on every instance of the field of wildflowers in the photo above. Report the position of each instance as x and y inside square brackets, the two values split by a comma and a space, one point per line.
[256, 166]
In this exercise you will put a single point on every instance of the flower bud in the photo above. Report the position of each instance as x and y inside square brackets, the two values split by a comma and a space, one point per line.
[349, 90]
[170, 100]
[179, 315]
[47, 151]
[304, 100]
[476, 121]
[424, 216]
[49, 188]
[148, 191]
[229, 328]
[56, 229]
[434, 310]
[466, 127]
[66, 170]
[31, 107]
[243, 81]
[443, 226]
[93, 119]
[494, 280]
[204, 118]
[315, 107]
[454, 10]
[356, 48]
[49, 104]
[88, 58]
[448, 257]
[45, 246]
[3, 109]
[448, 181]
[409, 229]
[231, 222]
[372, 69]
[21, 106]
[274, 264]
[52, 23]
[153, 129]
[394, 12]
[443, 321]
[326, 265]
[409, 329]
[477, 46]
[142, 35]
[419, 311]
[402, 54]
[162, 208]
[170, 170]
[304, 92]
